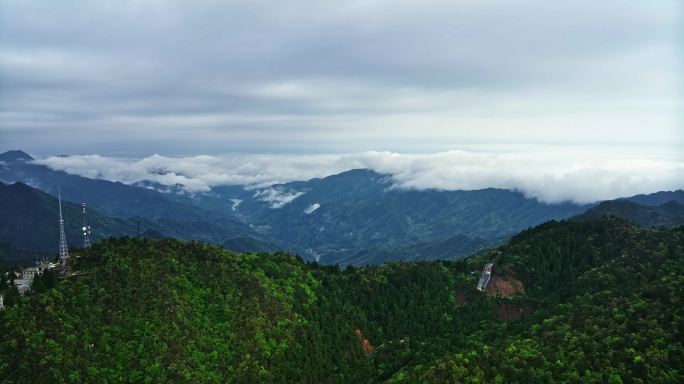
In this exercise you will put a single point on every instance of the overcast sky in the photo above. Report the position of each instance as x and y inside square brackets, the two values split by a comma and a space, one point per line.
[185, 78]
[195, 77]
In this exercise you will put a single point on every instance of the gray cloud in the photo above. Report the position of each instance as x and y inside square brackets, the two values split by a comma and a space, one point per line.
[179, 77]
[545, 173]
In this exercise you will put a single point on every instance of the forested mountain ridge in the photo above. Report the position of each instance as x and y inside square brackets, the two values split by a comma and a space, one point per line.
[601, 303]
[659, 198]
[669, 214]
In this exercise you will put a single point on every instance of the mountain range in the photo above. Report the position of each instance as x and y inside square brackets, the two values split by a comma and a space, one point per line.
[356, 217]
[349, 216]
[593, 297]
[668, 215]
[29, 226]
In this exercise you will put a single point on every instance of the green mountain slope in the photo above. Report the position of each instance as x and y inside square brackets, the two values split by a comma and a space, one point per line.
[572, 301]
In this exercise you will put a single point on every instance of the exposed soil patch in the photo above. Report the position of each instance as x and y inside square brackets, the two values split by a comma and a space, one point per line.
[506, 287]
[367, 346]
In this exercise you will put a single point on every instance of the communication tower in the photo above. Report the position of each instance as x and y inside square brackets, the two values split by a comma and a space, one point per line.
[85, 229]
[63, 248]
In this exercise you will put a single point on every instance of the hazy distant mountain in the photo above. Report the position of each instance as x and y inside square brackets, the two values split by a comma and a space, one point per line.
[451, 248]
[111, 198]
[29, 226]
[669, 214]
[217, 201]
[15, 155]
[659, 198]
[29, 222]
[340, 216]
[355, 217]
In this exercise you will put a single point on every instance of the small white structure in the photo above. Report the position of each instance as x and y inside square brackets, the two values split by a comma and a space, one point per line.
[24, 279]
[486, 275]
[2, 301]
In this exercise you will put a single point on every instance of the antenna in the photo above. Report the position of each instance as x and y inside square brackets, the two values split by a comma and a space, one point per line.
[86, 230]
[63, 248]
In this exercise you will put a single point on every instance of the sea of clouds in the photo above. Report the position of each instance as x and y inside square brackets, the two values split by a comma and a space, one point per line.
[549, 175]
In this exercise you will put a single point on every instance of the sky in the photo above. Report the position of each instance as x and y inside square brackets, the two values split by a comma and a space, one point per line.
[560, 85]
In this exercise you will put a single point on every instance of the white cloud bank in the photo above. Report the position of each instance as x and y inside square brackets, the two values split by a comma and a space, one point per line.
[548, 174]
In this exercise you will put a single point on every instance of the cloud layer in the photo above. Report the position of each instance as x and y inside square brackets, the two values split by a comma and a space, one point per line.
[376, 80]
[135, 77]
[548, 174]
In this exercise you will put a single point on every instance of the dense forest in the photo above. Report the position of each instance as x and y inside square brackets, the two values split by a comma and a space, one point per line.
[573, 302]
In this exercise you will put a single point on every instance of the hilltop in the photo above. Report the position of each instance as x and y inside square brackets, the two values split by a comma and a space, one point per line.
[594, 301]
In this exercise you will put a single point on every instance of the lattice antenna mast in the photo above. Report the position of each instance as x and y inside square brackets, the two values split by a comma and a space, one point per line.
[63, 248]
[86, 230]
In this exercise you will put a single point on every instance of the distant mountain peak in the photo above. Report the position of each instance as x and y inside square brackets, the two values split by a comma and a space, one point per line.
[358, 175]
[360, 172]
[15, 155]
[669, 214]
[659, 198]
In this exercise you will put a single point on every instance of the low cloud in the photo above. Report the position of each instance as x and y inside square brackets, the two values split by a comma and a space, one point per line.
[277, 197]
[549, 174]
[311, 208]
